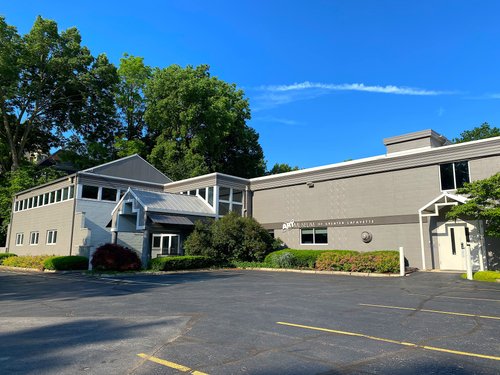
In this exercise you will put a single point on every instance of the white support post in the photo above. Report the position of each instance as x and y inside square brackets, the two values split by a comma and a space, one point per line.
[402, 269]
[468, 261]
[422, 243]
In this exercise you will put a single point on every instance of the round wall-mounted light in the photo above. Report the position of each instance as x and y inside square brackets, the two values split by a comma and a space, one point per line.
[366, 237]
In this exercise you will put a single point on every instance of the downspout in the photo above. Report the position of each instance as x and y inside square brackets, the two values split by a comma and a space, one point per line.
[75, 180]
[422, 245]
[9, 233]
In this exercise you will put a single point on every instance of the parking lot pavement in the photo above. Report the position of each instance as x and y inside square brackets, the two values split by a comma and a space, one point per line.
[247, 322]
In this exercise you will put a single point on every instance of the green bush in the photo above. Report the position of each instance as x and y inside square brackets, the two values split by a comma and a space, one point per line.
[299, 258]
[173, 263]
[232, 238]
[66, 263]
[491, 276]
[376, 261]
[5, 256]
[26, 261]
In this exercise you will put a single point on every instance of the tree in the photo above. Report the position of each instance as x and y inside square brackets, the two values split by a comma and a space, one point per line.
[130, 95]
[479, 132]
[201, 125]
[281, 168]
[483, 204]
[231, 238]
[25, 177]
[51, 86]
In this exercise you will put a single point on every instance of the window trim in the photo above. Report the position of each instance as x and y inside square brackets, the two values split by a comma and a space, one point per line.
[20, 236]
[51, 231]
[37, 236]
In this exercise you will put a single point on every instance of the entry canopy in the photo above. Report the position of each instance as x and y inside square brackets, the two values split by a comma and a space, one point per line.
[169, 219]
[445, 199]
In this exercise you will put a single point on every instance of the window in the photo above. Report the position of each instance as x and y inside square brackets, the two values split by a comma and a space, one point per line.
[315, 236]
[34, 238]
[108, 194]
[19, 239]
[223, 208]
[202, 193]
[58, 195]
[65, 193]
[237, 195]
[230, 200]
[71, 192]
[51, 237]
[52, 197]
[454, 175]
[35, 202]
[210, 198]
[46, 199]
[192, 192]
[16, 206]
[90, 192]
[30, 202]
[224, 193]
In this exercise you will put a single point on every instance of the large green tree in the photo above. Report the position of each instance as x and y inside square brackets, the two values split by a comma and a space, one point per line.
[51, 86]
[483, 204]
[201, 125]
[479, 132]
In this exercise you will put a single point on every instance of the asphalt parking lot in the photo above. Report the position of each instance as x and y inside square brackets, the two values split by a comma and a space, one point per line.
[247, 322]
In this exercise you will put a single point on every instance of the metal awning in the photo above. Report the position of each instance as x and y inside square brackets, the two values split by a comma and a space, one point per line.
[169, 219]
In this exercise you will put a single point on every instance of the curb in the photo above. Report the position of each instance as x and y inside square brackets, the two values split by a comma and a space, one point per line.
[341, 273]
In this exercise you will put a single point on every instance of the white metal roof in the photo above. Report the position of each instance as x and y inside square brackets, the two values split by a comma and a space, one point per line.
[169, 202]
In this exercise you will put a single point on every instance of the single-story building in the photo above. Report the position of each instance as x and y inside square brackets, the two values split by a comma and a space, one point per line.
[382, 202]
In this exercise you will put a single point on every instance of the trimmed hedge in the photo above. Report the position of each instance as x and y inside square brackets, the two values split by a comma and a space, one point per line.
[66, 263]
[26, 261]
[186, 262]
[290, 258]
[375, 261]
[113, 257]
[5, 256]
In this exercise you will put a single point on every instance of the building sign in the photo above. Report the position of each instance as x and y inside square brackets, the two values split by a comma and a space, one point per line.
[350, 222]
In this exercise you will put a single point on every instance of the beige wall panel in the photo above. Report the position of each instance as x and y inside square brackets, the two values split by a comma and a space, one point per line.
[484, 168]
[56, 216]
[383, 194]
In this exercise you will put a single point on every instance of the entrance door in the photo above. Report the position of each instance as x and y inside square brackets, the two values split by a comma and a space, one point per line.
[452, 239]
[165, 244]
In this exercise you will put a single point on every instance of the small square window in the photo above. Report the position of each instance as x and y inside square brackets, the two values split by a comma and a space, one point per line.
[224, 193]
[237, 195]
[108, 194]
[223, 208]
[90, 192]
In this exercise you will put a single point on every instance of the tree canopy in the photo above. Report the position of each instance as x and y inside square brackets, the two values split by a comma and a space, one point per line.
[479, 132]
[483, 204]
[51, 86]
[281, 168]
[201, 125]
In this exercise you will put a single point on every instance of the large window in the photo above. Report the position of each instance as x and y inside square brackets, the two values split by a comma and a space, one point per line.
[454, 175]
[51, 237]
[108, 194]
[314, 236]
[230, 200]
[90, 192]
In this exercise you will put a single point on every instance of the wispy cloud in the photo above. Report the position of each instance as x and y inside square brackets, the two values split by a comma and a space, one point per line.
[494, 96]
[388, 89]
[278, 120]
[270, 96]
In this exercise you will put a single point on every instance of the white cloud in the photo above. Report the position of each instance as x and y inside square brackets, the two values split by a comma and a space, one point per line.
[388, 89]
[278, 120]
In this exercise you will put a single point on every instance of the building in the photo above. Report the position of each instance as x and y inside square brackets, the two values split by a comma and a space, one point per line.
[383, 202]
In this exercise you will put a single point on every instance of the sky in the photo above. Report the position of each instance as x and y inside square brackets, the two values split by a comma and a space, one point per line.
[326, 80]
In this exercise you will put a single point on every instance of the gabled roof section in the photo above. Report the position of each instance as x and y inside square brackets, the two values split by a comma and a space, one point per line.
[445, 199]
[172, 203]
[131, 167]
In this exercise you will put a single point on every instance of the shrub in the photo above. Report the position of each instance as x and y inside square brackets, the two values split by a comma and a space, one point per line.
[172, 263]
[26, 261]
[487, 276]
[113, 257]
[232, 238]
[65, 263]
[376, 261]
[301, 258]
[5, 256]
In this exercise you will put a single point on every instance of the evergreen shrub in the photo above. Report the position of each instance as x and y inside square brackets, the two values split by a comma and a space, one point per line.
[186, 262]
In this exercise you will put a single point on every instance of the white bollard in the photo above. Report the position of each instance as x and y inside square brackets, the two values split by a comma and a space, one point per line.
[468, 262]
[402, 269]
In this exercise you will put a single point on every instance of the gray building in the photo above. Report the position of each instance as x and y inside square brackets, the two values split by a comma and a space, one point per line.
[383, 202]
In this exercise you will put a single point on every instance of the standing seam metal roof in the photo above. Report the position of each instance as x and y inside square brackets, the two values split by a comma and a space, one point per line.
[168, 202]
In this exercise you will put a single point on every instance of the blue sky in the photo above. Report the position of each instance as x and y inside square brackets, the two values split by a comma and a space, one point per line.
[326, 80]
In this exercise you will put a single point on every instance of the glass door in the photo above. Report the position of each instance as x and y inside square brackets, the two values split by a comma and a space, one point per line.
[164, 244]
